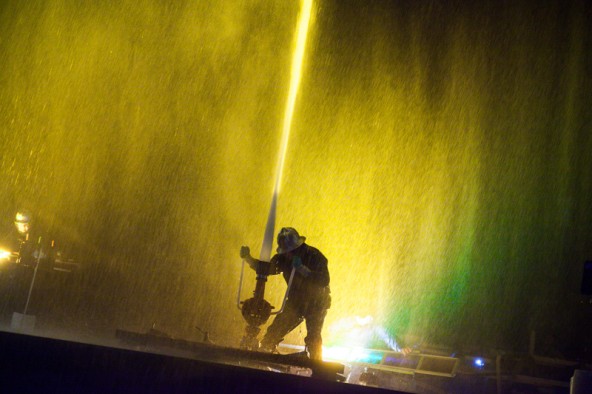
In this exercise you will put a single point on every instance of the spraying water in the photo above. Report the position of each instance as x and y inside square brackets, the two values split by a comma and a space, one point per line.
[450, 145]
[302, 32]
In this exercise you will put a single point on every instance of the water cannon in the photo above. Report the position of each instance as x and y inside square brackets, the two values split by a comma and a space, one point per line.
[257, 310]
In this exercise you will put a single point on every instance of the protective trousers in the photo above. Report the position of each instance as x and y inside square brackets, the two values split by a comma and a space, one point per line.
[288, 320]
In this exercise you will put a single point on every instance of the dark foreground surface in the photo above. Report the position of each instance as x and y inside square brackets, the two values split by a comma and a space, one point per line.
[38, 364]
[30, 364]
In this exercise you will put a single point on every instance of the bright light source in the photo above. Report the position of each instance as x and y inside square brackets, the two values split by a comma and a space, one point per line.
[4, 255]
[351, 354]
[479, 362]
[347, 354]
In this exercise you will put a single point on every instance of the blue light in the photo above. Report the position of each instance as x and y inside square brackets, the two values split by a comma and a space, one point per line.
[479, 363]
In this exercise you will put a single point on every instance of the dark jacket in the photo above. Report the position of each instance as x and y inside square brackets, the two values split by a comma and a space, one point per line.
[310, 290]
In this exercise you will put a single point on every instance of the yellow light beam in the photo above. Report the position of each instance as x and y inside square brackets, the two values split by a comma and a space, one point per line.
[296, 72]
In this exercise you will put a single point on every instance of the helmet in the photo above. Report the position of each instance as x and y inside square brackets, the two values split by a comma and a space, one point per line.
[288, 239]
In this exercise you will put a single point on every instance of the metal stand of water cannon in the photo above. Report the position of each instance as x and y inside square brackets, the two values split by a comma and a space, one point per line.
[22, 321]
[256, 311]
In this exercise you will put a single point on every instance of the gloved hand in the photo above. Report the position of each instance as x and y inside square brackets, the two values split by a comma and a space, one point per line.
[298, 266]
[245, 252]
